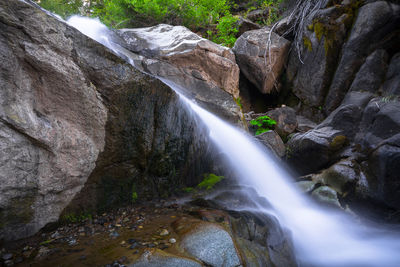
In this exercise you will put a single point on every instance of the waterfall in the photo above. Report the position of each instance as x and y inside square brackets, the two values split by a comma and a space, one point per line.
[321, 237]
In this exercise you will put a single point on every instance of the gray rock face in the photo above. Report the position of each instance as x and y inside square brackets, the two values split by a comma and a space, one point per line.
[326, 195]
[372, 73]
[204, 70]
[315, 149]
[392, 82]
[312, 75]
[345, 48]
[260, 67]
[341, 176]
[379, 137]
[245, 25]
[286, 121]
[73, 114]
[309, 152]
[52, 120]
[304, 124]
[371, 127]
[273, 141]
[376, 26]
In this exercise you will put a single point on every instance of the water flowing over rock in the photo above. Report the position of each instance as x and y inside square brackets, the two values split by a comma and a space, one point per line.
[73, 114]
[206, 71]
[261, 67]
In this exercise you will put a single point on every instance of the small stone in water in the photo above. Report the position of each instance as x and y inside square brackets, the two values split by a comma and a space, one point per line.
[7, 256]
[164, 232]
[172, 240]
[72, 242]
[114, 235]
[132, 241]
[9, 263]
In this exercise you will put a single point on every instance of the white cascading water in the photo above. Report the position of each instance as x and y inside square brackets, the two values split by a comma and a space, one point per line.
[321, 237]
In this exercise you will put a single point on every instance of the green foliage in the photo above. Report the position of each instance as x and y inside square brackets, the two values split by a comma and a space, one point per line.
[238, 102]
[134, 195]
[273, 10]
[46, 242]
[226, 30]
[191, 13]
[74, 218]
[64, 8]
[188, 189]
[209, 181]
[263, 124]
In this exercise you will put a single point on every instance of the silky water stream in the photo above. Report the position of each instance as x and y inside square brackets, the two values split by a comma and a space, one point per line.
[321, 237]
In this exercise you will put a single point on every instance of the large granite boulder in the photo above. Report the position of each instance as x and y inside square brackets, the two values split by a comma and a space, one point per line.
[365, 131]
[379, 138]
[202, 69]
[345, 47]
[392, 81]
[260, 66]
[376, 26]
[74, 118]
[310, 70]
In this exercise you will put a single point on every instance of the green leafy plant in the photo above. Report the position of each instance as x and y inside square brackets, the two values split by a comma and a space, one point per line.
[190, 13]
[74, 218]
[209, 181]
[134, 195]
[226, 30]
[188, 189]
[64, 8]
[263, 124]
[239, 102]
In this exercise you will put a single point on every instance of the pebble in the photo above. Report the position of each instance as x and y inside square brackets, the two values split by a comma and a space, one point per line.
[55, 235]
[123, 259]
[83, 257]
[43, 251]
[164, 232]
[9, 263]
[133, 246]
[172, 240]
[132, 241]
[72, 242]
[7, 256]
[114, 235]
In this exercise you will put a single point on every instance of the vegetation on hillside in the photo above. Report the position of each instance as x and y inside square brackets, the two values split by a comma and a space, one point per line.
[213, 18]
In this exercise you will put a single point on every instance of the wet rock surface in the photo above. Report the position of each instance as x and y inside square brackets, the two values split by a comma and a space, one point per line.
[72, 114]
[203, 70]
[196, 237]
